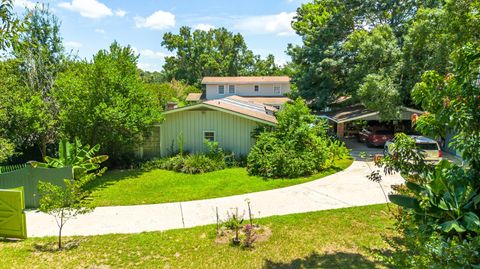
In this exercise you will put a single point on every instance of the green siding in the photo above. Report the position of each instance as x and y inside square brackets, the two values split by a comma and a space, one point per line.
[29, 177]
[233, 133]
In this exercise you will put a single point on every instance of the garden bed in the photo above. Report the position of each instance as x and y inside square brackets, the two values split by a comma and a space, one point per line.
[162, 186]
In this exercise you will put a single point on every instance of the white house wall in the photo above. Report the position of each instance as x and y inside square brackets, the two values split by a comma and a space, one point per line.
[246, 90]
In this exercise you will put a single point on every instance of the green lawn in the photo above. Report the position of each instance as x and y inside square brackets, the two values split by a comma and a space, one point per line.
[342, 238]
[160, 186]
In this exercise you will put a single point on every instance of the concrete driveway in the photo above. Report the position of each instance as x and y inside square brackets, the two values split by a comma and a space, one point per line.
[344, 189]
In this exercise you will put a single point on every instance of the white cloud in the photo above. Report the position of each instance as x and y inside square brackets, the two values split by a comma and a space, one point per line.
[91, 8]
[159, 20]
[100, 31]
[278, 24]
[153, 54]
[24, 4]
[203, 27]
[149, 67]
[73, 44]
[120, 12]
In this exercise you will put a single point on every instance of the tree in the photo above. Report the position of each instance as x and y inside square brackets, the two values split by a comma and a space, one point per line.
[379, 93]
[66, 202]
[10, 27]
[440, 220]
[104, 102]
[175, 91]
[63, 203]
[434, 34]
[345, 41]
[216, 52]
[41, 54]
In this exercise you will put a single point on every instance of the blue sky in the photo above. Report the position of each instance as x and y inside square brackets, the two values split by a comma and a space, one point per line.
[91, 25]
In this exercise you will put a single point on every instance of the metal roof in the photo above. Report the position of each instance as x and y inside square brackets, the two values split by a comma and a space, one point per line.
[357, 112]
[236, 105]
[246, 80]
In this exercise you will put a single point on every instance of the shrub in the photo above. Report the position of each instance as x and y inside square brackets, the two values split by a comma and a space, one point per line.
[174, 163]
[199, 163]
[299, 146]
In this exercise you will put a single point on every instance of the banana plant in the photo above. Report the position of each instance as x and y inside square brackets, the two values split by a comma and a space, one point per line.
[80, 157]
[449, 197]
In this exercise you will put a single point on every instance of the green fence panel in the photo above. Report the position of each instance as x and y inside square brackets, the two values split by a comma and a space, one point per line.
[29, 177]
[13, 222]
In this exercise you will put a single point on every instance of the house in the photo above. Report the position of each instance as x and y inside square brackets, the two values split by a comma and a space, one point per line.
[268, 90]
[230, 121]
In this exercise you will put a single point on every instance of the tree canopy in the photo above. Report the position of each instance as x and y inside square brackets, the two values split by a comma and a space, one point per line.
[104, 102]
[217, 52]
[356, 48]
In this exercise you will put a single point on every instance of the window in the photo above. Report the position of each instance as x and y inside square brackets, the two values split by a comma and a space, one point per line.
[255, 88]
[277, 89]
[231, 88]
[209, 135]
[221, 89]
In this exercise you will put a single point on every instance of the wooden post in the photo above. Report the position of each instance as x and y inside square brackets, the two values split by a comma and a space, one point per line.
[341, 129]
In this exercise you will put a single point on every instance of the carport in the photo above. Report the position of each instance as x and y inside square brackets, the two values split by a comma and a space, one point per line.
[345, 121]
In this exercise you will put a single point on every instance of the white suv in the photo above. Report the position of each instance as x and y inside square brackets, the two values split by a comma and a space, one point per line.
[430, 148]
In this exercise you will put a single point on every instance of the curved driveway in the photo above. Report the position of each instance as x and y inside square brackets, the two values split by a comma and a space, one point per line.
[344, 189]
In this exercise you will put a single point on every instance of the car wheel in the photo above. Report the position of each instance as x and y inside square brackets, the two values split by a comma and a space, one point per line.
[369, 145]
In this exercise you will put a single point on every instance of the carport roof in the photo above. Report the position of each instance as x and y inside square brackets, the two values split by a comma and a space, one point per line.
[357, 112]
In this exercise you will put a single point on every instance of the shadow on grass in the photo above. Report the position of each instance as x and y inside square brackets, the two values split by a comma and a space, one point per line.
[10, 240]
[112, 177]
[52, 247]
[328, 260]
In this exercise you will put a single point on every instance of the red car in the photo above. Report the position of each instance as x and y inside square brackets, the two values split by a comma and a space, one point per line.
[375, 137]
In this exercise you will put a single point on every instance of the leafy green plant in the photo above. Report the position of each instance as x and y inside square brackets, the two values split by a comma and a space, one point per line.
[297, 147]
[198, 163]
[82, 158]
[449, 199]
[234, 222]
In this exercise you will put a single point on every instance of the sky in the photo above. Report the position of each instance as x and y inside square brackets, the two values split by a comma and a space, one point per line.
[88, 26]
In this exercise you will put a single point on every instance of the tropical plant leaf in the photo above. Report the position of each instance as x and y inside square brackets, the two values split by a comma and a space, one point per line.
[452, 225]
[99, 159]
[414, 187]
[471, 221]
[404, 201]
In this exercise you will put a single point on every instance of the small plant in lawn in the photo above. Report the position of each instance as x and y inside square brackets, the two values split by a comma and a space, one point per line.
[234, 222]
[64, 203]
[250, 236]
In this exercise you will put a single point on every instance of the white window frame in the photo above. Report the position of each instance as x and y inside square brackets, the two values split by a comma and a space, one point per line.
[218, 89]
[234, 89]
[256, 88]
[279, 89]
[210, 131]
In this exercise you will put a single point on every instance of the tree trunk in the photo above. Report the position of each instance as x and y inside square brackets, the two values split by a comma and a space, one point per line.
[43, 148]
[60, 237]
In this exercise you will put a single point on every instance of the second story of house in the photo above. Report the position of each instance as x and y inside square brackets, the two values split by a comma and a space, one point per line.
[267, 86]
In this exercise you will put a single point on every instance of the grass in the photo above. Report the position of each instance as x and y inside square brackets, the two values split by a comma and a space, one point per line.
[161, 186]
[342, 238]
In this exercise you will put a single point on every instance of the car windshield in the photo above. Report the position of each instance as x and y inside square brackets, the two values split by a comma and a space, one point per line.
[427, 146]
